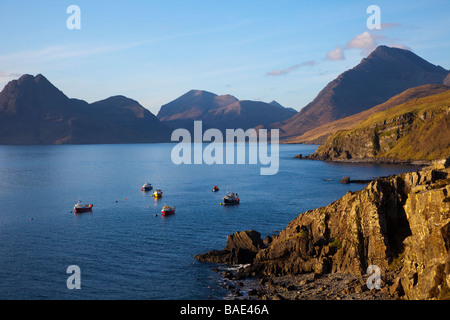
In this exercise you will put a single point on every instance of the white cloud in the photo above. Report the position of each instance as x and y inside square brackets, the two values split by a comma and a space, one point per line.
[336, 54]
[365, 41]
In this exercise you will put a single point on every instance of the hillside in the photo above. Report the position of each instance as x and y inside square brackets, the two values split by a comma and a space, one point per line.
[320, 134]
[385, 73]
[416, 130]
[447, 80]
[398, 224]
[34, 111]
[221, 112]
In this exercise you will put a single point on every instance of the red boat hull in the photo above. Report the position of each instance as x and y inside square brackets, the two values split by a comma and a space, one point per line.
[167, 213]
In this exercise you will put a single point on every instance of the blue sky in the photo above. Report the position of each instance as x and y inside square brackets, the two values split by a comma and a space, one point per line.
[155, 51]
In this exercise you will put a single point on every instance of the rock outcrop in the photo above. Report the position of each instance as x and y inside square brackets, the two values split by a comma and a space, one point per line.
[401, 224]
[241, 248]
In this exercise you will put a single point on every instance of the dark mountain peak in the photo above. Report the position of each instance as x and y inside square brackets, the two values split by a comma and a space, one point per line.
[384, 73]
[400, 60]
[120, 104]
[118, 100]
[28, 79]
[276, 104]
[30, 93]
[29, 82]
[198, 94]
[193, 105]
[34, 111]
[24, 78]
[384, 50]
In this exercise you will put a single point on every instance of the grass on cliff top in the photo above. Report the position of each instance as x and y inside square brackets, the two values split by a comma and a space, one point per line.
[321, 133]
[429, 138]
[436, 103]
[428, 122]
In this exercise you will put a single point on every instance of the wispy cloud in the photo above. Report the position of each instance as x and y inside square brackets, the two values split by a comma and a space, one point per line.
[283, 72]
[8, 76]
[53, 53]
[388, 25]
[4, 74]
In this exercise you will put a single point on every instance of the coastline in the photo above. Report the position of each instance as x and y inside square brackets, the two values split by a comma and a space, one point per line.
[392, 161]
[400, 224]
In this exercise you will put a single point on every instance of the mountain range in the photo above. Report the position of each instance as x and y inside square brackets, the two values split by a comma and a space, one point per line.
[221, 112]
[34, 111]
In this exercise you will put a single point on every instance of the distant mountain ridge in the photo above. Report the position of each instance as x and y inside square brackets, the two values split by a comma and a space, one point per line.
[34, 111]
[221, 112]
[383, 74]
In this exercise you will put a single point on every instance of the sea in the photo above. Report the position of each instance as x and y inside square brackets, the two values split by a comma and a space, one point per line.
[125, 249]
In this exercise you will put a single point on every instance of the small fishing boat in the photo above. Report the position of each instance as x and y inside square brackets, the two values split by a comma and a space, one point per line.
[157, 194]
[147, 187]
[80, 207]
[231, 198]
[215, 189]
[167, 210]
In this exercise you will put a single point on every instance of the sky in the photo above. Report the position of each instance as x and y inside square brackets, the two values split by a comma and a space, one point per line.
[155, 51]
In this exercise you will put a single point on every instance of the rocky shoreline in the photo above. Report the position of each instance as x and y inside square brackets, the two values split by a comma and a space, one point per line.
[310, 286]
[399, 224]
[380, 160]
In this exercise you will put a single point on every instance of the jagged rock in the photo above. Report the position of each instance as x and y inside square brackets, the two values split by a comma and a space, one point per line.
[404, 217]
[400, 224]
[426, 258]
[241, 248]
[345, 180]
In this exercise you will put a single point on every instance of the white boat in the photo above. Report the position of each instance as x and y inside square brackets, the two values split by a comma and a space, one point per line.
[147, 187]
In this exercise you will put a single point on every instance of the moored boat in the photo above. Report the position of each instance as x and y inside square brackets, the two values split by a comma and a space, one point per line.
[147, 187]
[215, 189]
[157, 194]
[231, 198]
[167, 210]
[80, 207]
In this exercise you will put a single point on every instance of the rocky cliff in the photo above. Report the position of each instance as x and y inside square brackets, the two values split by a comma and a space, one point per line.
[400, 224]
[320, 134]
[416, 130]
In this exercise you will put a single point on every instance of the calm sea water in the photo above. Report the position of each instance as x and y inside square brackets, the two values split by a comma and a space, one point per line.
[123, 250]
